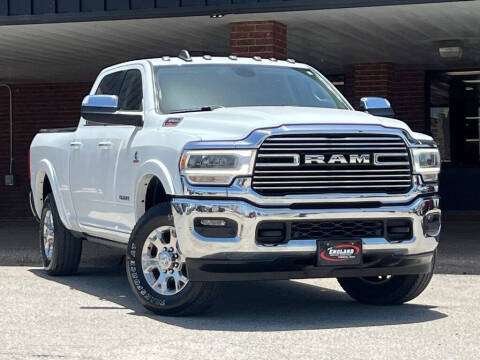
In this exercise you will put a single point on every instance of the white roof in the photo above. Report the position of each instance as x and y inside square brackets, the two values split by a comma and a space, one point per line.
[203, 60]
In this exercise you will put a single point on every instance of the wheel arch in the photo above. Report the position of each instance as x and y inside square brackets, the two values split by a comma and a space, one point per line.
[46, 182]
[154, 185]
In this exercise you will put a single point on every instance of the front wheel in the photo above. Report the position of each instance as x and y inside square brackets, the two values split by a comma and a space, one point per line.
[157, 271]
[386, 290]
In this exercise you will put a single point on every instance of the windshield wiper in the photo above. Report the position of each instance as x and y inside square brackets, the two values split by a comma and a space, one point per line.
[203, 108]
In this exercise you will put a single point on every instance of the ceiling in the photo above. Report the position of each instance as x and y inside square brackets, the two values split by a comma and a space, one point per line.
[331, 40]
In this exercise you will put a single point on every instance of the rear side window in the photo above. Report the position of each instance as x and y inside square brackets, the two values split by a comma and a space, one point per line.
[111, 84]
[131, 92]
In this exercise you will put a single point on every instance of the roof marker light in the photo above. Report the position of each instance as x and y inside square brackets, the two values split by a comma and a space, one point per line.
[185, 55]
[291, 61]
[166, 58]
[233, 57]
[207, 57]
[257, 58]
[273, 59]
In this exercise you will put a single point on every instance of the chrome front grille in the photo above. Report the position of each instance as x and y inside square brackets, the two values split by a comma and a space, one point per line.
[332, 163]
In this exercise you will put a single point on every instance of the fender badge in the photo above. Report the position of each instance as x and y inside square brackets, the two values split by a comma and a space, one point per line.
[172, 122]
[135, 158]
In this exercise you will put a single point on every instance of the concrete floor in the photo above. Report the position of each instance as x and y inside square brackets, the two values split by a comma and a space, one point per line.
[94, 316]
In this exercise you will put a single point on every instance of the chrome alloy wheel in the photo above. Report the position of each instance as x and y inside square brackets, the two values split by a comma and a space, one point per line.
[163, 264]
[48, 234]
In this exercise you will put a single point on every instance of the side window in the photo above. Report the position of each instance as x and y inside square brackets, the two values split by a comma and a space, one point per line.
[131, 92]
[111, 84]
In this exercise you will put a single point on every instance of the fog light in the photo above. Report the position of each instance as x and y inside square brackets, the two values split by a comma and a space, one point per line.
[432, 224]
[216, 228]
[399, 229]
[213, 222]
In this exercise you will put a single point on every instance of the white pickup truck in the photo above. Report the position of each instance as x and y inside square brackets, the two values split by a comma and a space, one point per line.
[218, 169]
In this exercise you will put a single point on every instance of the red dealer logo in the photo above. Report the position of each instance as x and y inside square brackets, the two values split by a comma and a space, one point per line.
[340, 252]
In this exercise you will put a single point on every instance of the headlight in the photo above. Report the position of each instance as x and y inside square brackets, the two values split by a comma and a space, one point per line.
[426, 162]
[215, 167]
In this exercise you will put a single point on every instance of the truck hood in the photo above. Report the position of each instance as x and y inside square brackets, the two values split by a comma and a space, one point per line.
[237, 123]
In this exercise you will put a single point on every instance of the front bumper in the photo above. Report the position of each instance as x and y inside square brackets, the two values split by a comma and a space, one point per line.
[380, 254]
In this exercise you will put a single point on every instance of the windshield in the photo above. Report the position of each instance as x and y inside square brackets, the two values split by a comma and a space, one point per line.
[190, 87]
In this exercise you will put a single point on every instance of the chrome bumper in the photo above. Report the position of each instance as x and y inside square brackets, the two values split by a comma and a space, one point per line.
[248, 216]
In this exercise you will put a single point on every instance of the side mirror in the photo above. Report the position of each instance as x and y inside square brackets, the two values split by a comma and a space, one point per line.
[377, 106]
[104, 109]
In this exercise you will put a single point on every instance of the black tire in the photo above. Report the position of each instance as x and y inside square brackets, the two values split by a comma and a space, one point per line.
[395, 290]
[67, 249]
[195, 297]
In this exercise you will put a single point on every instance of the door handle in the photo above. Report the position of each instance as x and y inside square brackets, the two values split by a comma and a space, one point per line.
[105, 145]
[75, 145]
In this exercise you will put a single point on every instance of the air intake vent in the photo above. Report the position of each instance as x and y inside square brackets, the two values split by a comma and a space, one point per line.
[332, 163]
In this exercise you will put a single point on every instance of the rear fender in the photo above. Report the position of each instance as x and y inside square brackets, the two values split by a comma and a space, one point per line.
[46, 169]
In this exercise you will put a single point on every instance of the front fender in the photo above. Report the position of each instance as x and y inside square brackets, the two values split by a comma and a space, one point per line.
[154, 168]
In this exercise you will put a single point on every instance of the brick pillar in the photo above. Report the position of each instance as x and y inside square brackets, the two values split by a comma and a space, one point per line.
[409, 98]
[372, 80]
[258, 38]
[404, 88]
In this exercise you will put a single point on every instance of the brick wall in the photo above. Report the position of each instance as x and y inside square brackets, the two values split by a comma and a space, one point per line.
[34, 107]
[409, 98]
[258, 38]
[404, 88]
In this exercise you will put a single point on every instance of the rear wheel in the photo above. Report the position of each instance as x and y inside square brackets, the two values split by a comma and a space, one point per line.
[157, 271]
[386, 290]
[60, 250]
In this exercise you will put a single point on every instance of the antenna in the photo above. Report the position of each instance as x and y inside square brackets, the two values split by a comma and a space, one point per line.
[184, 55]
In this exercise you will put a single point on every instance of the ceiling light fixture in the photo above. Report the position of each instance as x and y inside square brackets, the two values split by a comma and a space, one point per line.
[451, 52]
[477, 81]
[463, 73]
[450, 49]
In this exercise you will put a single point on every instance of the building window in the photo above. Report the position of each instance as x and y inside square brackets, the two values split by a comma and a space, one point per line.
[455, 115]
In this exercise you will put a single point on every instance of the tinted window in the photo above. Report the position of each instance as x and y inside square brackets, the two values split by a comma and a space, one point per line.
[111, 84]
[192, 86]
[131, 93]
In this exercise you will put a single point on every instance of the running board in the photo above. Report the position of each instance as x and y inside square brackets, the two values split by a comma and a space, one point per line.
[106, 242]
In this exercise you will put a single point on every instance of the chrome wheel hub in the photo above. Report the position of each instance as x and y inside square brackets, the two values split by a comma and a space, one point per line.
[165, 260]
[163, 264]
[48, 235]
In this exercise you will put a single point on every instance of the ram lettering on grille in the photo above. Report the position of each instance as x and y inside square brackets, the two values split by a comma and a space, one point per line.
[332, 163]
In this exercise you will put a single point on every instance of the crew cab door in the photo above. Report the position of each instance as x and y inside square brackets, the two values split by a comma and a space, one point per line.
[95, 163]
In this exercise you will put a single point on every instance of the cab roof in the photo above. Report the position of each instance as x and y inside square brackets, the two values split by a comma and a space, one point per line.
[208, 60]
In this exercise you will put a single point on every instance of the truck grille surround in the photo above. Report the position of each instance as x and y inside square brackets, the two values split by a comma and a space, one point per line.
[296, 164]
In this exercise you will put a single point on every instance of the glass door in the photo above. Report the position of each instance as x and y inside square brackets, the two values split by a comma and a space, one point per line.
[454, 116]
